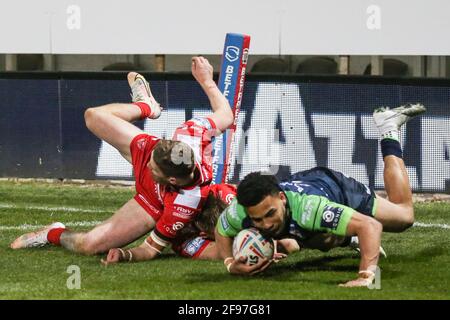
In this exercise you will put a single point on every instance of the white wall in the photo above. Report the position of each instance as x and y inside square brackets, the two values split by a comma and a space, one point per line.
[286, 27]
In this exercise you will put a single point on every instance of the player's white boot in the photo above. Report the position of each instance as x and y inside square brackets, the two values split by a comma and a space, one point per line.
[390, 120]
[141, 93]
[35, 239]
[354, 244]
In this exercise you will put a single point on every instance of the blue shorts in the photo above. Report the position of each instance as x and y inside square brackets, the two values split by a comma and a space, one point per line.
[335, 186]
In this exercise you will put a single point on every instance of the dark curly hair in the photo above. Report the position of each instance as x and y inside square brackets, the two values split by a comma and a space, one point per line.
[255, 187]
[205, 221]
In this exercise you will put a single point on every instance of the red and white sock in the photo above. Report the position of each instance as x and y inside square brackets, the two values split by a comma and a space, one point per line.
[54, 236]
[146, 111]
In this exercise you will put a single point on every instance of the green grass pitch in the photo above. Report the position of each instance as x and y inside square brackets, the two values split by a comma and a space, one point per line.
[417, 266]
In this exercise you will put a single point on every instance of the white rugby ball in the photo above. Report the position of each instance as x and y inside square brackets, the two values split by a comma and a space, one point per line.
[252, 244]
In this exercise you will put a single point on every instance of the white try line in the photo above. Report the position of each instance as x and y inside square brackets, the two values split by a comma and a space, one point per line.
[431, 225]
[53, 209]
[36, 227]
[94, 223]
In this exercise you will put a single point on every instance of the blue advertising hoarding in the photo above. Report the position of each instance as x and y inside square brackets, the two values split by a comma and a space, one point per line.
[287, 124]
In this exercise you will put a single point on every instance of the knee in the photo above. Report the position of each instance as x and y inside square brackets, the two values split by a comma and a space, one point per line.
[408, 219]
[408, 223]
[376, 225]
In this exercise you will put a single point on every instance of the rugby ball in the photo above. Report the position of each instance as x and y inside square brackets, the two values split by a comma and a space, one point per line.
[252, 244]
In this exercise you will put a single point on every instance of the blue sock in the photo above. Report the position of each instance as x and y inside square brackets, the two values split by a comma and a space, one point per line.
[391, 147]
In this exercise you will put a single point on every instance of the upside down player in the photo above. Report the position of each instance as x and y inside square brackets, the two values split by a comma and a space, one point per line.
[172, 176]
[342, 206]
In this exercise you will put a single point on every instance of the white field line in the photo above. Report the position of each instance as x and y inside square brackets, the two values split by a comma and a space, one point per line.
[53, 209]
[35, 227]
[94, 223]
[431, 225]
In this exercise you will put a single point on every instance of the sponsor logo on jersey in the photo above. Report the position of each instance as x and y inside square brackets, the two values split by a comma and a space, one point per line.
[229, 197]
[183, 213]
[232, 210]
[184, 210]
[330, 217]
[191, 247]
[178, 226]
[309, 206]
[224, 222]
[202, 122]
[141, 143]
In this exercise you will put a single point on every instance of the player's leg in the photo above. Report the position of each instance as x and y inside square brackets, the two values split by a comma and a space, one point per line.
[397, 213]
[112, 122]
[130, 222]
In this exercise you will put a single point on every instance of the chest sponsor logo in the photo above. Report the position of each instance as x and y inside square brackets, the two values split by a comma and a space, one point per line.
[183, 213]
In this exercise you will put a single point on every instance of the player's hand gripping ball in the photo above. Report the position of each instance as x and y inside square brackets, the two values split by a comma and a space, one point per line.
[250, 243]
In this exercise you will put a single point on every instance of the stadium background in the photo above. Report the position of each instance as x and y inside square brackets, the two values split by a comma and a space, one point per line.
[287, 123]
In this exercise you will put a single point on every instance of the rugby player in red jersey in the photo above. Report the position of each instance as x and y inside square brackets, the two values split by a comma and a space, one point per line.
[172, 176]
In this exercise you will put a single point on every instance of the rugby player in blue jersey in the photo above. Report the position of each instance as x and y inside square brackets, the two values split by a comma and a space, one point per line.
[321, 200]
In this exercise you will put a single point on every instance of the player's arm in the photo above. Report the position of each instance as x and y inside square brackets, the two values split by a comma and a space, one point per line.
[222, 114]
[148, 250]
[369, 232]
[224, 244]
[112, 123]
[343, 221]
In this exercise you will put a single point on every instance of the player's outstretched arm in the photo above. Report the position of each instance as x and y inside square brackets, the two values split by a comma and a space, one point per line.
[148, 250]
[369, 232]
[112, 123]
[203, 73]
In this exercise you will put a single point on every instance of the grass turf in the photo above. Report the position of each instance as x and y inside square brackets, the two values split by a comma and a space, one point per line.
[417, 266]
